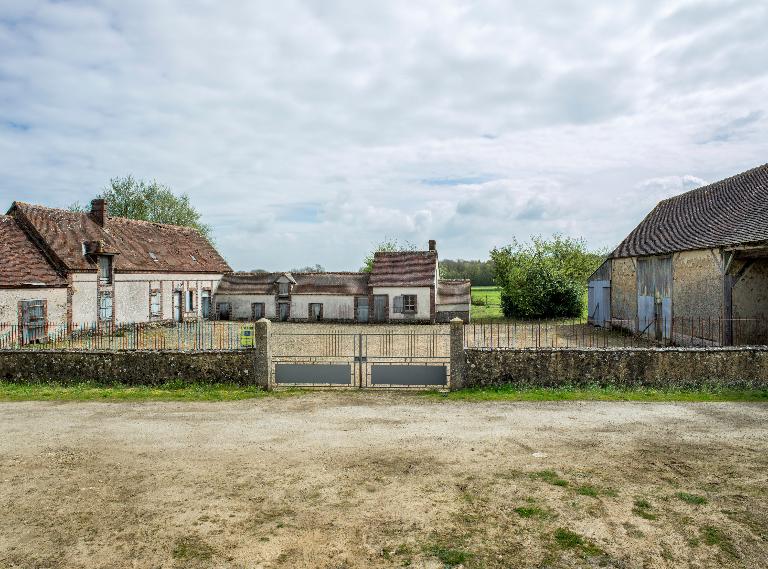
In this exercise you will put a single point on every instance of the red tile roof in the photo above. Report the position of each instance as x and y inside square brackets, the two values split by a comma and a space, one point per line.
[404, 268]
[23, 264]
[141, 246]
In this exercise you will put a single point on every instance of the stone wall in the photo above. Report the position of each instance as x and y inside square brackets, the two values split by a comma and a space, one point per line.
[243, 367]
[738, 368]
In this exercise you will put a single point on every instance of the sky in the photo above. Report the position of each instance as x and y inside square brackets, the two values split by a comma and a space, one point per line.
[308, 131]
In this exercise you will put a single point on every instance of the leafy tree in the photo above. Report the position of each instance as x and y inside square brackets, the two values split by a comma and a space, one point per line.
[310, 269]
[149, 201]
[479, 272]
[386, 245]
[545, 278]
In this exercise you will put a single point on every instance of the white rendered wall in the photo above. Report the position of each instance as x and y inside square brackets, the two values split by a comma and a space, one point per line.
[335, 306]
[56, 297]
[422, 301]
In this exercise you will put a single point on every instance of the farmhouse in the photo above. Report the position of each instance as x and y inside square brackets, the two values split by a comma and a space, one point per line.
[696, 267]
[76, 268]
[402, 286]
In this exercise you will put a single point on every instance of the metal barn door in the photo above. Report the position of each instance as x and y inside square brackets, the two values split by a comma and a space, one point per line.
[599, 302]
[654, 296]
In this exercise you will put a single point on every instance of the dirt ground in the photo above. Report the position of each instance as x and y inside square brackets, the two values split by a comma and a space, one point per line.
[343, 480]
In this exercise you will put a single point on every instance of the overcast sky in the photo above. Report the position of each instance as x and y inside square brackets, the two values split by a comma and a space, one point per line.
[306, 131]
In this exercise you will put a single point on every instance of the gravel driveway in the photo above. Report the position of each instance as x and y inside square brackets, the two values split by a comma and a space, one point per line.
[383, 480]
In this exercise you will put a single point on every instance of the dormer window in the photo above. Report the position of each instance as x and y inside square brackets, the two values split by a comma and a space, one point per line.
[105, 269]
[284, 288]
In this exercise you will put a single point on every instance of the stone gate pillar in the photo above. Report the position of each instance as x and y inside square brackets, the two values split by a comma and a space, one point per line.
[458, 362]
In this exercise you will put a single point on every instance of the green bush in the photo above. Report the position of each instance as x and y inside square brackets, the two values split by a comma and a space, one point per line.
[545, 279]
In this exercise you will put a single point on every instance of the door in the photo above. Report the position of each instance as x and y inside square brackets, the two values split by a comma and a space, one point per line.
[33, 320]
[654, 296]
[205, 303]
[362, 309]
[285, 311]
[380, 302]
[224, 309]
[599, 302]
[177, 305]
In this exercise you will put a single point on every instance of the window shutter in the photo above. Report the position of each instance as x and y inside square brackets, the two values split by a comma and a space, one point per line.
[397, 307]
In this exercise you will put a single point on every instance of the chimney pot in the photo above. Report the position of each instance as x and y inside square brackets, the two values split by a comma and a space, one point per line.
[99, 211]
[432, 245]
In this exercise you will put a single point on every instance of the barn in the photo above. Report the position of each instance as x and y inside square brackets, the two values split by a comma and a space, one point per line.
[695, 269]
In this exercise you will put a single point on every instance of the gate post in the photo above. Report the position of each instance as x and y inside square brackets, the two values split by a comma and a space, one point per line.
[262, 354]
[457, 354]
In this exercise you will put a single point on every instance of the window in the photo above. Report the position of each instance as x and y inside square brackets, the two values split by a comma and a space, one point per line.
[105, 269]
[224, 309]
[154, 304]
[315, 311]
[257, 310]
[284, 311]
[189, 301]
[105, 306]
[409, 303]
[284, 288]
[205, 303]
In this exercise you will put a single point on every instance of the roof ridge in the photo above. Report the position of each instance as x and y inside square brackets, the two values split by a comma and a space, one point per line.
[119, 218]
[716, 183]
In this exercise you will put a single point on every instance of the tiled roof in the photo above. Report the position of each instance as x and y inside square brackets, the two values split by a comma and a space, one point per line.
[454, 291]
[306, 283]
[247, 283]
[22, 263]
[730, 212]
[404, 268]
[141, 245]
[331, 283]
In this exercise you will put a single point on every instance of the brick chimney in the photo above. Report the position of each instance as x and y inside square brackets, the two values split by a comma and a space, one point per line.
[99, 211]
[432, 245]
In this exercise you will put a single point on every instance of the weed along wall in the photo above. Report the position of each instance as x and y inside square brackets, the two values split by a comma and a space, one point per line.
[243, 367]
[666, 368]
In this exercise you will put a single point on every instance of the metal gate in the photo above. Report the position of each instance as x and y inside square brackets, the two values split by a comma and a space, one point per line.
[361, 360]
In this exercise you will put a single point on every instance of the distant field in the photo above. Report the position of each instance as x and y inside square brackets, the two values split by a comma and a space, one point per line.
[491, 310]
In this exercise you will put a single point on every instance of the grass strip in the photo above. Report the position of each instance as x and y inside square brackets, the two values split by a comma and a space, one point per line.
[166, 392]
[512, 393]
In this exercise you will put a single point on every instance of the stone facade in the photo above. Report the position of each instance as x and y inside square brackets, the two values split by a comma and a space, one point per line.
[685, 368]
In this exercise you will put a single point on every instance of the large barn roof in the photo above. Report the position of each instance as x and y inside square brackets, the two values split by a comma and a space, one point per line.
[140, 246]
[730, 212]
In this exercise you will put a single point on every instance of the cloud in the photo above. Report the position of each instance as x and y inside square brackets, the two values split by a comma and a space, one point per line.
[307, 131]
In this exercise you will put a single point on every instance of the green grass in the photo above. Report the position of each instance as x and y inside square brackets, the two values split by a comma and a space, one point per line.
[531, 512]
[513, 393]
[567, 539]
[712, 535]
[168, 392]
[229, 392]
[693, 499]
[448, 556]
[550, 477]
[491, 309]
[643, 509]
